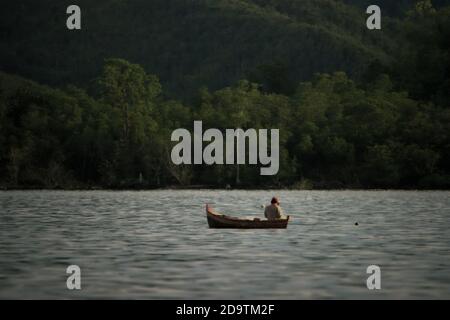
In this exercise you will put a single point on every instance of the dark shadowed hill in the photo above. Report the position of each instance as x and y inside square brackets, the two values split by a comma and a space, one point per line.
[355, 108]
[393, 8]
[188, 44]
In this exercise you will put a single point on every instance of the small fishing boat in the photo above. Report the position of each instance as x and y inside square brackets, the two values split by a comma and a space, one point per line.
[217, 220]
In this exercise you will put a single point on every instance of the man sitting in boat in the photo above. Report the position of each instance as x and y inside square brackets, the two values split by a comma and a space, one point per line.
[273, 211]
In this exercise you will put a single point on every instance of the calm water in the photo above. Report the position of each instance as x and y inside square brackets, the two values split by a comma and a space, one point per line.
[149, 245]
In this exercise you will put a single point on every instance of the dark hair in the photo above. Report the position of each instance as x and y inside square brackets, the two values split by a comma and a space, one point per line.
[274, 200]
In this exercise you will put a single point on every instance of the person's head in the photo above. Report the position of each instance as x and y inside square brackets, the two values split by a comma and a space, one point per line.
[275, 201]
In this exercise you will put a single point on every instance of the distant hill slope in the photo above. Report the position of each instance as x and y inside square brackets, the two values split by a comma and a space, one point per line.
[393, 7]
[187, 43]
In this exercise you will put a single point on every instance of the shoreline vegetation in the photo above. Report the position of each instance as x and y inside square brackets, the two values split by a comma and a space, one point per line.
[215, 188]
[349, 115]
[178, 188]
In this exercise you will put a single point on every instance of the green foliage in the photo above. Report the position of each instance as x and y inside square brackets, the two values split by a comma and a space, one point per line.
[333, 134]
[189, 44]
[381, 121]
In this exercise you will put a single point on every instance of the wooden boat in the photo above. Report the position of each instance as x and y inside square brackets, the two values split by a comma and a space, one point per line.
[217, 220]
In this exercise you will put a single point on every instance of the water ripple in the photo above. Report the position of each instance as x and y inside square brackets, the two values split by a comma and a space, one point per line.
[156, 244]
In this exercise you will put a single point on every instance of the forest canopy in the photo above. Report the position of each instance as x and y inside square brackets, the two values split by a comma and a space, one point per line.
[355, 108]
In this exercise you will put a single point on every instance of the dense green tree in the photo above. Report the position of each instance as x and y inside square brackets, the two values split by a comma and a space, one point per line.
[354, 108]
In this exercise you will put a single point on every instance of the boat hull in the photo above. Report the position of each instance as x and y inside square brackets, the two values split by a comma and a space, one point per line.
[220, 221]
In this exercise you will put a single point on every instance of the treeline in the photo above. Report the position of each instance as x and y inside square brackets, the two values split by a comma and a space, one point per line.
[334, 134]
[387, 127]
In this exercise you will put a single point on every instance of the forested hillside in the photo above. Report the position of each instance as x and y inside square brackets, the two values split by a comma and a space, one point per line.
[393, 8]
[355, 108]
[189, 44]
